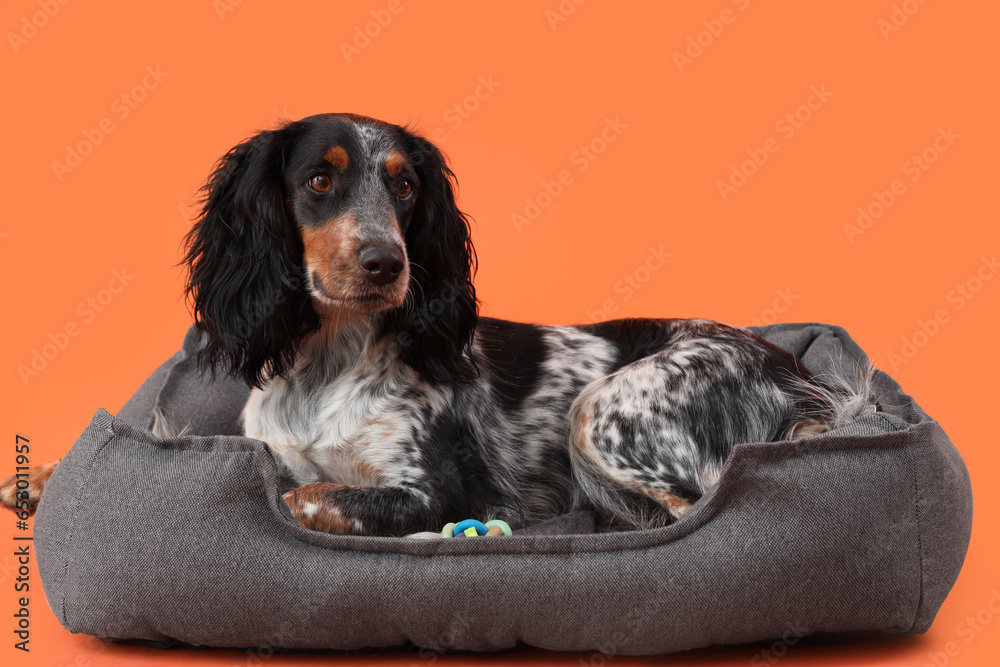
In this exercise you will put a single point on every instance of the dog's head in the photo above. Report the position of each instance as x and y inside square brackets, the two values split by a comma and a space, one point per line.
[330, 213]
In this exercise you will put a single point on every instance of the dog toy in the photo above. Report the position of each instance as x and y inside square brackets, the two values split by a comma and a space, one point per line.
[473, 528]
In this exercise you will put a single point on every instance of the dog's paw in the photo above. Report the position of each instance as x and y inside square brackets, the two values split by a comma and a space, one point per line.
[23, 493]
[314, 506]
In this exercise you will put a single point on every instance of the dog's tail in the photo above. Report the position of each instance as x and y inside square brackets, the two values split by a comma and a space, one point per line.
[828, 401]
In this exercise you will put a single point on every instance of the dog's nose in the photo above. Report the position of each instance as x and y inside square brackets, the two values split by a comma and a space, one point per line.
[382, 264]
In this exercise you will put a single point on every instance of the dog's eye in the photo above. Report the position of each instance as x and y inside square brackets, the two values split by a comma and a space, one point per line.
[320, 183]
[404, 190]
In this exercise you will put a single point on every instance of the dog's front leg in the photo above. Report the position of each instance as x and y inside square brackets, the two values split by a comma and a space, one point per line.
[362, 510]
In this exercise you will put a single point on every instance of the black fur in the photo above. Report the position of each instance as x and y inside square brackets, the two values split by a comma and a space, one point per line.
[515, 352]
[245, 277]
[435, 332]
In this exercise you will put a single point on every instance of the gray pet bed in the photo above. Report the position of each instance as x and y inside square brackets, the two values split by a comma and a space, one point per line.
[188, 539]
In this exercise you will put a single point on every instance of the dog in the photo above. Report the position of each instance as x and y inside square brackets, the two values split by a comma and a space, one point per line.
[331, 270]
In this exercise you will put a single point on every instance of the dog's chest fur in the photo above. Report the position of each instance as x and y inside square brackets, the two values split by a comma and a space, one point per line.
[356, 427]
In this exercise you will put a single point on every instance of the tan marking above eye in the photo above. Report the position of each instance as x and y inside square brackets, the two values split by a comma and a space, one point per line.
[395, 162]
[337, 156]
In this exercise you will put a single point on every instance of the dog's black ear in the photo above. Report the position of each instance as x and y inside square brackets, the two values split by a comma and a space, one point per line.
[244, 257]
[435, 327]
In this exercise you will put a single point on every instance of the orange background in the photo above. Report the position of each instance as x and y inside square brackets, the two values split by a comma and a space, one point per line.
[776, 249]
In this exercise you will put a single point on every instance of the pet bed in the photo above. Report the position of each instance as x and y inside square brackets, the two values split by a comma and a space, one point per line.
[187, 540]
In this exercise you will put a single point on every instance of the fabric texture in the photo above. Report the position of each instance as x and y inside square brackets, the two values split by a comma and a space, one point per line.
[862, 528]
